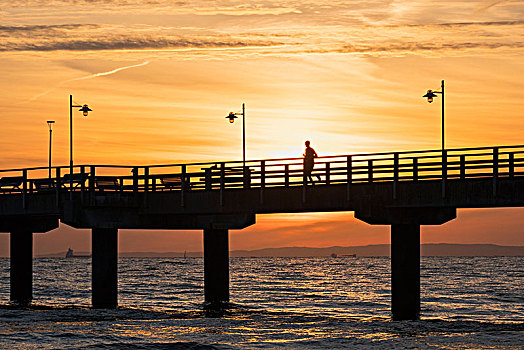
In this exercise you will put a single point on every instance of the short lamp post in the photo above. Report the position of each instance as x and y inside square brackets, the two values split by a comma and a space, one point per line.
[50, 124]
[232, 116]
[85, 110]
[432, 94]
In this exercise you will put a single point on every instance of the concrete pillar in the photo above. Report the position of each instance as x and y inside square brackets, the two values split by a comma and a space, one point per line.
[405, 271]
[21, 252]
[104, 248]
[216, 266]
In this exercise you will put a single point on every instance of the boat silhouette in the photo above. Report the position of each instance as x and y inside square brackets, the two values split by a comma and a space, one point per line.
[70, 254]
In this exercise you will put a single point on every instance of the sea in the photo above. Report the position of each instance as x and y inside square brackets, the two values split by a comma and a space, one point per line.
[288, 303]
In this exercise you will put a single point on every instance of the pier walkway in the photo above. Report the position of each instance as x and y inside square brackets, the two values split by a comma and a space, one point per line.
[401, 189]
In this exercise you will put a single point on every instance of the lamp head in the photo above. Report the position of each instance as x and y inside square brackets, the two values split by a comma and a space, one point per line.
[430, 95]
[231, 116]
[50, 123]
[85, 110]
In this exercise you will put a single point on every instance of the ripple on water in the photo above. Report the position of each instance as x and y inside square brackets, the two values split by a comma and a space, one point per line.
[294, 303]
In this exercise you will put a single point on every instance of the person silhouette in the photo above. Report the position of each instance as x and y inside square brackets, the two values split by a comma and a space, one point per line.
[309, 163]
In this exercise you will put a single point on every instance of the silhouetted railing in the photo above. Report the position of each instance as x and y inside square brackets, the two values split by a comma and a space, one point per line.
[464, 163]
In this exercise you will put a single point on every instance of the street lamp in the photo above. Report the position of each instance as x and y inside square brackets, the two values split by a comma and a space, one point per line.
[85, 110]
[430, 95]
[50, 124]
[232, 116]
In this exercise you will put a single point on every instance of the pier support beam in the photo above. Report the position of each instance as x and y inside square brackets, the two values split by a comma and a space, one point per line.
[405, 271]
[216, 265]
[21, 252]
[105, 265]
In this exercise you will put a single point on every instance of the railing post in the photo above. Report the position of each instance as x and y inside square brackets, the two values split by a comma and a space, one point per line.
[24, 188]
[208, 178]
[444, 171]
[71, 172]
[304, 186]
[286, 175]
[462, 166]
[246, 174]
[395, 174]
[511, 165]
[82, 183]
[58, 185]
[328, 173]
[182, 184]
[262, 179]
[91, 184]
[153, 183]
[415, 169]
[495, 169]
[222, 182]
[370, 170]
[135, 180]
[29, 186]
[349, 175]
[146, 183]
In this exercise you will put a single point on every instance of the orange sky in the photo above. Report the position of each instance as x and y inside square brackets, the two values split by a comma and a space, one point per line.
[348, 75]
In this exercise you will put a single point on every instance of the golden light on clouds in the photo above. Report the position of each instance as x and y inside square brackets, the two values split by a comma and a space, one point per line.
[347, 75]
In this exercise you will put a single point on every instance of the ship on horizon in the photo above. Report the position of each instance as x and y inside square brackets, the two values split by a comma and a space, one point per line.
[70, 254]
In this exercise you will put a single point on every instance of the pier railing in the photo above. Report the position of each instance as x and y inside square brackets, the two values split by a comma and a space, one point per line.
[463, 163]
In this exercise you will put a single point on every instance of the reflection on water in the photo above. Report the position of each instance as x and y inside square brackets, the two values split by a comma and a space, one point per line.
[281, 302]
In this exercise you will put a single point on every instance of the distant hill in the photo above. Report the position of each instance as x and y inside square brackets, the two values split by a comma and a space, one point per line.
[440, 249]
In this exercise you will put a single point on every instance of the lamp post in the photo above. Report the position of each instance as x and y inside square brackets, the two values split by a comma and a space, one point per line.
[430, 95]
[50, 124]
[84, 109]
[232, 116]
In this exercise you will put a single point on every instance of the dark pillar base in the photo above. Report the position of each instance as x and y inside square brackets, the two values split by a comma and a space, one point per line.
[216, 266]
[405, 271]
[104, 264]
[21, 252]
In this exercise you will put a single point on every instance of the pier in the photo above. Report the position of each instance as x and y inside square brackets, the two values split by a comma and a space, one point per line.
[402, 189]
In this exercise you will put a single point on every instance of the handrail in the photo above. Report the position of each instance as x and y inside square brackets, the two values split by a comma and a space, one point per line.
[274, 159]
[462, 163]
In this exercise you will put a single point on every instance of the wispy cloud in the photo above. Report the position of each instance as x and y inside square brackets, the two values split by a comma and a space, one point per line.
[359, 40]
[110, 72]
[489, 4]
[44, 28]
[91, 76]
[125, 44]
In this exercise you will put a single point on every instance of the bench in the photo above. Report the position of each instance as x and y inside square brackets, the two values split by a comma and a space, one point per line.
[175, 182]
[12, 182]
[78, 179]
[107, 183]
[44, 184]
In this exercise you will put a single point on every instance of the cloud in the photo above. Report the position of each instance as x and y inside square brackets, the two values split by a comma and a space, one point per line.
[96, 75]
[280, 40]
[130, 44]
[111, 71]
[415, 46]
[54, 38]
[148, 7]
[467, 24]
[490, 4]
[45, 28]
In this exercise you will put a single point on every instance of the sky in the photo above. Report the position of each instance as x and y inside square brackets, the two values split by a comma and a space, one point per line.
[348, 75]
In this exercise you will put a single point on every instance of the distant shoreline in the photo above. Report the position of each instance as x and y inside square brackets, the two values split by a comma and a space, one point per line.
[376, 250]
